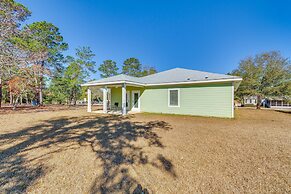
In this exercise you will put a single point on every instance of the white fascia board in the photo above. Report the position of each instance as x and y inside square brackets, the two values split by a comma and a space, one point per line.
[112, 83]
[196, 82]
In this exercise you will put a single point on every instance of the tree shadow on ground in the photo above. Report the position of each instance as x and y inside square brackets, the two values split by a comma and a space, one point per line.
[112, 138]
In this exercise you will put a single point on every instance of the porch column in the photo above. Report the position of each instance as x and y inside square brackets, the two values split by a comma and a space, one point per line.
[123, 104]
[105, 99]
[89, 109]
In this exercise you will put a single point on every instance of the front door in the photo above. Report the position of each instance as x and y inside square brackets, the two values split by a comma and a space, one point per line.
[135, 100]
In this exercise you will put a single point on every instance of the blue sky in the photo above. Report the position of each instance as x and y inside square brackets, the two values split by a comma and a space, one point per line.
[203, 35]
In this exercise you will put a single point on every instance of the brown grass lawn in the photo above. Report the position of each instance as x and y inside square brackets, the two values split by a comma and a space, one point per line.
[71, 151]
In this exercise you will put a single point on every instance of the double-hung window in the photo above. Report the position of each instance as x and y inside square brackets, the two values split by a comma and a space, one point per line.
[173, 97]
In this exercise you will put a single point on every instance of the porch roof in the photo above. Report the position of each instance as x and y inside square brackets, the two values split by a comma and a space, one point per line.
[170, 77]
[118, 79]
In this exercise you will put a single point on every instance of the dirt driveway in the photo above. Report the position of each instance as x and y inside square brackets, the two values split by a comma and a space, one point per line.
[71, 151]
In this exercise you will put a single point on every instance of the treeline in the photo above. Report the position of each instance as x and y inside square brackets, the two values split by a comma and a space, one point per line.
[131, 66]
[65, 86]
[264, 75]
[33, 68]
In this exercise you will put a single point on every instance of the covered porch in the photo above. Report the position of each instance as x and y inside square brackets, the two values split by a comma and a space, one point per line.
[122, 98]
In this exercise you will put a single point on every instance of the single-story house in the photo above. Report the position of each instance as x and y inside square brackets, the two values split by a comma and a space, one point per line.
[250, 100]
[268, 102]
[276, 102]
[175, 91]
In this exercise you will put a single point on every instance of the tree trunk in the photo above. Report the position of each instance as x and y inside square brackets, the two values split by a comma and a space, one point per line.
[21, 99]
[15, 103]
[10, 97]
[40, 94]
[75, 98]
[258, 101]
[0, 92]
[41, 84]
[36, 95]
[26, 99]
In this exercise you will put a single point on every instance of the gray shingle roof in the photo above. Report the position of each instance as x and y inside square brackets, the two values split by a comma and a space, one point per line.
[176, 75]
[117, 78]
[182, 75]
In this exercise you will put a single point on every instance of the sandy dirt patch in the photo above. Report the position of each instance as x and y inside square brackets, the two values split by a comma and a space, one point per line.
[71, 151]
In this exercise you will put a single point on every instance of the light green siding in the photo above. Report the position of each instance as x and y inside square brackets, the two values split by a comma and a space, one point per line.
[202, 100]
[116, 95]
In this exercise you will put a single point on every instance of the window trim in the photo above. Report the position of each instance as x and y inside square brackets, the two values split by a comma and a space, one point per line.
[178, 89]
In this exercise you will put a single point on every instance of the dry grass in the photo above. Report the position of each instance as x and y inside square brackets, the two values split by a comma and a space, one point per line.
[71, 151]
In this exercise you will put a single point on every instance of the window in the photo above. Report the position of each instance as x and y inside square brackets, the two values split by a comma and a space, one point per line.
[174, 97]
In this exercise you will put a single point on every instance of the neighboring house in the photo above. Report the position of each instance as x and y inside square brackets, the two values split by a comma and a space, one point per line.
[175, 91]
[267, 102]
[250, 100]
[276, 102]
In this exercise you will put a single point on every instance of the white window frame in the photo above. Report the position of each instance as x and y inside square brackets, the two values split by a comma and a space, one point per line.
[178, 97]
